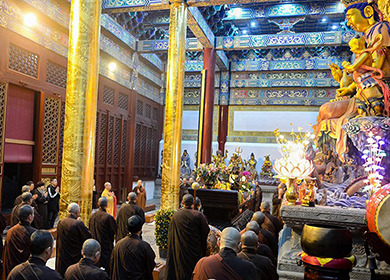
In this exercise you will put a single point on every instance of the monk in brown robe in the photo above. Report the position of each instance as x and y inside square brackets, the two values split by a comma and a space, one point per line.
[19, 199]
[125, 212]
[71, 234]
[26, 200]
[141, 194]
[17, 241]
[265, 209]
[133, 258]
[103, 228]
[226, 265]
[266, 269]
[262, 249]
[41, 250]
[187, 240]
[86, 268]
[265, 236]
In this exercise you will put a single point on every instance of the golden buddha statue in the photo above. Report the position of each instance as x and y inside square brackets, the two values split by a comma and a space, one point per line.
[219, 159]
[372, 65]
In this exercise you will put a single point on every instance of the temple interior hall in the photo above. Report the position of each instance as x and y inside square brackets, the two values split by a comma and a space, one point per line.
[258, 117]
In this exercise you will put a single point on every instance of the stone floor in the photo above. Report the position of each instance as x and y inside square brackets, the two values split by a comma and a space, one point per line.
[147, 235]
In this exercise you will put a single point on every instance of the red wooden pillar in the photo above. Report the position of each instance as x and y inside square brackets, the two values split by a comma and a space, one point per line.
[209, 65]
[223, 126]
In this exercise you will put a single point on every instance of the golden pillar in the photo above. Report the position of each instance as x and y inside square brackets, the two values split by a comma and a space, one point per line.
[81, 106]
[174, 105]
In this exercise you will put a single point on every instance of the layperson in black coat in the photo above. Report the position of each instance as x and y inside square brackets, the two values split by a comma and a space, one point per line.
[41, 249]
[86, 268]
[103, 228]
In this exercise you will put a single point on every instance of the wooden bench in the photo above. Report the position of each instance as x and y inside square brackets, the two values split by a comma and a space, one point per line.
[150, 207]
[149, 218]
[159, 271]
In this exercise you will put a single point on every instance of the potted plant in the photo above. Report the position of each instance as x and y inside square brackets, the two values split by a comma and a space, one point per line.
[162, 220]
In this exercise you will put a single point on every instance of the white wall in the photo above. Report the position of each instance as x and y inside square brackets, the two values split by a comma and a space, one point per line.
[253, 121]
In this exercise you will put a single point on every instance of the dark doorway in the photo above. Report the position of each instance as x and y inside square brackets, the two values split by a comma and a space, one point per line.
[15, 176]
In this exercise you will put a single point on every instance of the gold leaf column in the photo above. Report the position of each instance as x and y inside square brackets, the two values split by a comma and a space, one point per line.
[174, 105]
[81, 106]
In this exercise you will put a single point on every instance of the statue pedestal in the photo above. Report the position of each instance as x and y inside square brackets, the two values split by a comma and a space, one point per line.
[295, 217]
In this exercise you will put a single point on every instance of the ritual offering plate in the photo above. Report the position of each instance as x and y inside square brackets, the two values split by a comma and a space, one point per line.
[326, 241]
[378, 211]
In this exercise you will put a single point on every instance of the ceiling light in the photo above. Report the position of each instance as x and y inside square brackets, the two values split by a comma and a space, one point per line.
[334, 27]
[253, 23]
[324, 19]
[244, 31]
[112, 66]
[30, 20]
[237, 12]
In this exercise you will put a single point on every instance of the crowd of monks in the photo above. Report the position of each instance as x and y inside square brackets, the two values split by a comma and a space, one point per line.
[112, 247]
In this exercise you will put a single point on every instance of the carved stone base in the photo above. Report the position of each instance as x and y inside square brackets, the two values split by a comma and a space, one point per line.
[295, 217]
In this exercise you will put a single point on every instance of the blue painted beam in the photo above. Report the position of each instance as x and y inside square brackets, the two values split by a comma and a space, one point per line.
[333, 38]
[200, 27]
[284, 40]
[192, 44]
[286, 10]
[117, 6]
[222, 60]
[283, 65]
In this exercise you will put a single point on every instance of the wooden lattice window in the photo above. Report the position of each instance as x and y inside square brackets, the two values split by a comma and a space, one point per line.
[23, 61]
[3, 96]
[108, 95]
[50, 130]
[117, 141]
[102, 138]
[143, 144]
[123, 101]
[155, 114]
[56, 74]
[154, 145]
[148, 145]
[148, 111]
[124, 139]
[140, 108]
[137, 146]
[110, 139]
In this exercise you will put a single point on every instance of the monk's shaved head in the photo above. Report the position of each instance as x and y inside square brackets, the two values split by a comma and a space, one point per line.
[26, 197]
[253, 226]
[73, 208]
[188, 200]
[249, 240]
[24, 212]
[25, 188]
[90, 248]
[230, 238]
[132, 196]
[265, 206]
[103, 202]
[258, 217]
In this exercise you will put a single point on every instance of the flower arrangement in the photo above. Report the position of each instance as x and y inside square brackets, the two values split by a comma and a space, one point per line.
[162, 220]
[208, 174]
